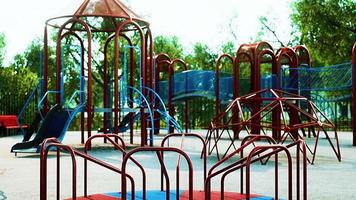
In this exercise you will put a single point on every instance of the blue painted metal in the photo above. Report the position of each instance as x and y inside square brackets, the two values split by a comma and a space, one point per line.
[164, 112]
[40, 103]
[82, 78]
[328, 78]
[148, 107]
[30, 98]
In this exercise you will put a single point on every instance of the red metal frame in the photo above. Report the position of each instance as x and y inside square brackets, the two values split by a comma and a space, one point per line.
[292, 61]
[172, 70]
[224, 167]
[131, 22]
[183, 135]
[159, 151]
[217, 79]
[163, 60]
[53, 142]
[354, 94]
[272, 99]
[256, 51]
[259, 153]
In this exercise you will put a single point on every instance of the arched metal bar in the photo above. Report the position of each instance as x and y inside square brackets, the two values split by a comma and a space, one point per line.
[171, 71]
[58, 67]
[217, 79]
[354, 94]
[159, 151]
[142, 79]
[200, 138]
[249, 162]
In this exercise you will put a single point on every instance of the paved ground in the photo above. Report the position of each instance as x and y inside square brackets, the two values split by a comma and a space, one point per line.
[19, 176]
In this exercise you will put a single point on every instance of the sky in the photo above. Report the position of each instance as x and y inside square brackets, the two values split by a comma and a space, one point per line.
[192, 21]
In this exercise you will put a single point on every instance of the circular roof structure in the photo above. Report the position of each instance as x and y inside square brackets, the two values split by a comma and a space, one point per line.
[101, 16]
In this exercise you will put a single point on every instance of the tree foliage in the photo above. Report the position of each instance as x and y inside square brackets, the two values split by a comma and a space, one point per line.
[202, 57]
[2, 49]
[168, 45]
[15, 86]
[328, 28]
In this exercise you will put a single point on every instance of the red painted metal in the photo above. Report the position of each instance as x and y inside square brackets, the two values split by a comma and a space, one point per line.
[284, 53]
[304, 59]
[163, 61]
[248, 168]
[303, 55]
[159, 151]
[194, 135]
[258, 154]
[43, 178]
[112, 10]
[45, 67]
[172, 70]
[52, 142]
[119, 30]
[354, 94]
[217, 79]
[254, 51]
[273, 99]
[60, 36]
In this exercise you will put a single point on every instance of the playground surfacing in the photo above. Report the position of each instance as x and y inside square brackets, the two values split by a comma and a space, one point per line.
[19, 176]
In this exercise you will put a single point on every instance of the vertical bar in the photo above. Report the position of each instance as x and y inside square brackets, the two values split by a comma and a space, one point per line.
[58, 173]
[354, 95]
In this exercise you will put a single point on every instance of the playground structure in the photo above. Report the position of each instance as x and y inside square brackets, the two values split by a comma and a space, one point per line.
[273, 102]
[128, 96]
[248, 153]
[132, 88]
[289, 69]
[137, 86]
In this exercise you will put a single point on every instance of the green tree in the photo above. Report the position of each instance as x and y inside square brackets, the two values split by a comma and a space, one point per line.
[202, 57]
[328, 28]
[15, 86]
[2, 49]
[168, 45]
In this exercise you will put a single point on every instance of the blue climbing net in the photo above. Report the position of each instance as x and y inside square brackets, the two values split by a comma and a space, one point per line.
[201, 83]
[329, 78]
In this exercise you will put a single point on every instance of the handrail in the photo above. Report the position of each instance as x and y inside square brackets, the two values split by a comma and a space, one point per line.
[72, 98]
[241, 163]
[168, 118]
[159, 151]
[38, 85]
[172, 120]
[121, 148]
[204, 153]
[149, 110]
[39, 106]
[50, 142]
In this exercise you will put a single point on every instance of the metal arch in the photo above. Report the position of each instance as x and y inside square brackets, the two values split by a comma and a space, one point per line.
[354, 94]
[290, 54]
[217, 79]
[258, 65]
[171, 71]
[159, 151]
[149, 57]
[302, 60]
[116, 81]
[237, 62]
[89, 81]
[144, 99]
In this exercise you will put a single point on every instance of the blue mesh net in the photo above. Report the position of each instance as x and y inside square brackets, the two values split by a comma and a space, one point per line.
[200, 83]
[330, 78]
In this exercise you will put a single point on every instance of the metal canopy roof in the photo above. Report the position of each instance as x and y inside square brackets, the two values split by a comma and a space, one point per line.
[109, 8]
[111, 12]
